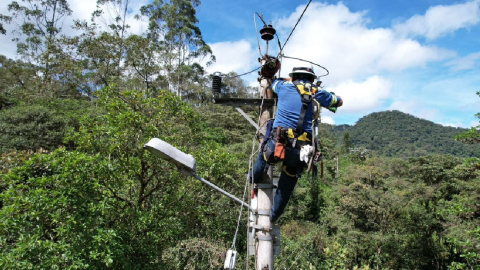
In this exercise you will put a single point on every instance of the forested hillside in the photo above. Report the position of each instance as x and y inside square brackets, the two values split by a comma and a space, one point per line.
[397, 134]
[78, 191]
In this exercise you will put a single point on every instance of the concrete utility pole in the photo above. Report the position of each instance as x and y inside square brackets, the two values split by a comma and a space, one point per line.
[267, 237]
[264, 234]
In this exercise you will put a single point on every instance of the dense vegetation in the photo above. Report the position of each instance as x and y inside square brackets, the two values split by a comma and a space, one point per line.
[78, 191]
[397, 134]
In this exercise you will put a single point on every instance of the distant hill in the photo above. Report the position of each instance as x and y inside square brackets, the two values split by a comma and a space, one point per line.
[394, 133]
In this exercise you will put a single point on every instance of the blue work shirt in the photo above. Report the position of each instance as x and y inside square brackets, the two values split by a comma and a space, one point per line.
[290, 105]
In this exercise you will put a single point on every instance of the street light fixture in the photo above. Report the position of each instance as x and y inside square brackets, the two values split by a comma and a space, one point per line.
[185, 163]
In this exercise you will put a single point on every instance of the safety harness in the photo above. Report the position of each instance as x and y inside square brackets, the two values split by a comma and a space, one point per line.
[296, 138]
[307, 94]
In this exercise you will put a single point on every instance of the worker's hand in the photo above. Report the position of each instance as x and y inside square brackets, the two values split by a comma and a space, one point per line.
[340, 103]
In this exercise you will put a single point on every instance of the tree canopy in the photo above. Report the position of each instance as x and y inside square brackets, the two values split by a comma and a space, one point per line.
[78, 191]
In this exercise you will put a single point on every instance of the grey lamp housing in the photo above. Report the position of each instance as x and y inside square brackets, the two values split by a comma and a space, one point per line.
[185, 162]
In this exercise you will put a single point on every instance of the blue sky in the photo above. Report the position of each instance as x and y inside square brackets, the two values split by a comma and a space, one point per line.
[420, 57]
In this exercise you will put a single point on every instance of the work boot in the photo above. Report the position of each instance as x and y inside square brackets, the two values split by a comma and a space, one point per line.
[273, 220]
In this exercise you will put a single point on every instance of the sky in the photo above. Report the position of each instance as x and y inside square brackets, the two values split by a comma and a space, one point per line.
[420, 57]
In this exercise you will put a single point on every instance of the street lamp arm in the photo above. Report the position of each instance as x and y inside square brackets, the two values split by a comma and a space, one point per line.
[223, 192]
[185, 163]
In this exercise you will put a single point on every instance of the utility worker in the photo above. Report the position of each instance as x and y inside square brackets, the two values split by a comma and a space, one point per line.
[290, 138]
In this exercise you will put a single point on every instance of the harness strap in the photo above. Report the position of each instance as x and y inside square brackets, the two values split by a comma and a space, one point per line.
[306, 97]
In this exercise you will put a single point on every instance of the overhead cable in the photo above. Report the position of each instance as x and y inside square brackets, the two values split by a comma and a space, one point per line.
[328, 72]
[256, 31]
[231, 77]
[281, 49]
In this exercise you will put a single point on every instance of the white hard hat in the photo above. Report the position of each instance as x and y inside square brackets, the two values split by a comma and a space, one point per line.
[302, 70]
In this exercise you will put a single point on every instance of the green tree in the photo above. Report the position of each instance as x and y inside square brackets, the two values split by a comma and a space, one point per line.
[100, 50]
[6, 19]
[18, 80]
[42, 124]
[39, 26]
[173, 25]
[347, 142]
[141, 56]
[472, 135]
[113, 204]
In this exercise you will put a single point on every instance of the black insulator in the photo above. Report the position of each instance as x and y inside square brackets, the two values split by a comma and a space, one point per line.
[267, 32]
[216, 83]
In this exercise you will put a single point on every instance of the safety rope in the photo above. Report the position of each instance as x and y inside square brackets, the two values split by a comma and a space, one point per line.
[247, 187]
[240, 214]
[252, 157]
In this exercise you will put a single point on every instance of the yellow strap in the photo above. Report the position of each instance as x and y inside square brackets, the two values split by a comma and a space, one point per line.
[301, 89]
[284, 168]
[274, 85]
[334, 100]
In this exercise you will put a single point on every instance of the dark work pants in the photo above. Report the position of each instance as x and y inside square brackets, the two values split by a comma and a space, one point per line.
[292, 168]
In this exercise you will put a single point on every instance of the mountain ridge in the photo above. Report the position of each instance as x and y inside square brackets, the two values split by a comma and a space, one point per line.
[399, 134]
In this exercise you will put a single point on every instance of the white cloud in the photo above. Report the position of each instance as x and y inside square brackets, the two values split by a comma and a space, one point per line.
[468, 62]
[340, 40]
[232, 56]
[82, 10]
[327, 120]
[363, 96]
[441, 20]
[404, 106]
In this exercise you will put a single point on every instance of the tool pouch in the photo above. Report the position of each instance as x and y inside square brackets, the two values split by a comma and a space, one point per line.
[280, 145]
[279, 151]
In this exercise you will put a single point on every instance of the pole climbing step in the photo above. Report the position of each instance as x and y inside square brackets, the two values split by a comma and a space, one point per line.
[275, 236]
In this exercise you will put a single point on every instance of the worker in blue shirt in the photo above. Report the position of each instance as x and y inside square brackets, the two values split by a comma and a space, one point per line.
[289, 139]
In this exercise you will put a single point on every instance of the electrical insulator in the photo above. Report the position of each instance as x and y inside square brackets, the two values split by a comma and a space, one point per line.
[268, 32]
[216, 83]
[270, 68]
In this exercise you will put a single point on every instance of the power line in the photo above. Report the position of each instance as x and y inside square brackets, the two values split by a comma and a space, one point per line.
[328, 72]
[261, 18]
[231, 77]
[256, 31]
[281, 49]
